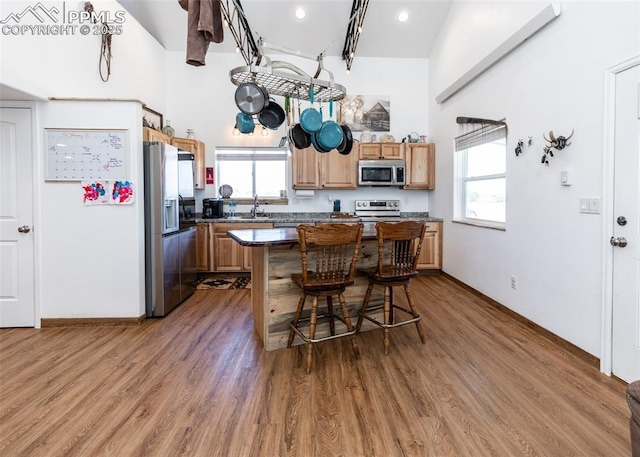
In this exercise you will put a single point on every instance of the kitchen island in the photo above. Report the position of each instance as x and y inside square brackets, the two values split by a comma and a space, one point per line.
[274, 296]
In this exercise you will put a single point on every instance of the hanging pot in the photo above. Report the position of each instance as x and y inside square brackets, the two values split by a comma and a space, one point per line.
[317, 146]
[272, 117]
[300, 138]
[330, 135]
[251, 98]
[244, 122]
[347, 141]
[311, 118]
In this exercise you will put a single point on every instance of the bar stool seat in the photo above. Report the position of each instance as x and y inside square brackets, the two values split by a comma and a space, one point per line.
[332, 251]
[399, 246]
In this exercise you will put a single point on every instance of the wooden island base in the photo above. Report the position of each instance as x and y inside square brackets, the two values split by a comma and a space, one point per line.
[274, 296]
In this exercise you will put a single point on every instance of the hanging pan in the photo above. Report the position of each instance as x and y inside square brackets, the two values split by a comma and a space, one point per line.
[347, 141]
[330, 135]
[251, 98]
[300, 138]
[311, 118]
[244, 122]
[272, 116]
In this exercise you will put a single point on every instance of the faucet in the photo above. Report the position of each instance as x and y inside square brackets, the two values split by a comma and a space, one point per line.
[256, 203]
[181, 200]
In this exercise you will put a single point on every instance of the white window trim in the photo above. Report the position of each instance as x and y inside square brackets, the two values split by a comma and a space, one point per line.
[260, 153]
[470, 139]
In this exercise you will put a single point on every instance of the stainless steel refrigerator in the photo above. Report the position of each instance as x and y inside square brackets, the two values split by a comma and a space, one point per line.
[170, 252]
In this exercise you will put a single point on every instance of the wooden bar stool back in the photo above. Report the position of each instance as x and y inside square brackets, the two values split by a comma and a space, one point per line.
[399, 246]
[328, 253]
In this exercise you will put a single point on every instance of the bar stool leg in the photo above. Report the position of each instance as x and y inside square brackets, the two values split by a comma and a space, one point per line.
[415, 313]
[387, 317]
[296, 318]
[332, 324]
[347, 320]
[312, 331]
[365, 303]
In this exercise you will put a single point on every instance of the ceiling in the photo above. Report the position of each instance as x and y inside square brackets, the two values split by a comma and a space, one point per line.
[322, 30]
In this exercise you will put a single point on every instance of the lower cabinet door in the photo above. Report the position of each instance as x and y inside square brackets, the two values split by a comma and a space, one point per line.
[229, 254]
[431, 253]
[203, 258]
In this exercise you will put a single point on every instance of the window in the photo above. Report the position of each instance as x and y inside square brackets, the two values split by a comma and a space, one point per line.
[251, 171]
[480, 164]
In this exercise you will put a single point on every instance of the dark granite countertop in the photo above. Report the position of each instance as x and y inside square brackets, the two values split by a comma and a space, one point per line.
[300, 218]
[277, 236]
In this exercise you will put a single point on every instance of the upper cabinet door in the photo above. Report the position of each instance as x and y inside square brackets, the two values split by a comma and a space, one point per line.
[305, 168]
[373, 151]
[421, 164]
[339, 171]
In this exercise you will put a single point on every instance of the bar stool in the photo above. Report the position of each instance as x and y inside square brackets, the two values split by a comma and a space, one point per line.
[328, 253]
[399, 246]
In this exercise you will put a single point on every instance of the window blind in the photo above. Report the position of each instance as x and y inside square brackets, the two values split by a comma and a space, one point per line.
[257, 154]
[485, 134]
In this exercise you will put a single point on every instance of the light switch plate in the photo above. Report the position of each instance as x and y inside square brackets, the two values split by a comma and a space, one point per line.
[566, 177]
[590, 205]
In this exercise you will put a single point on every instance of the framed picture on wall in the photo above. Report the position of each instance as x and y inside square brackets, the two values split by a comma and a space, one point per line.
[367, 112]
[151, 118]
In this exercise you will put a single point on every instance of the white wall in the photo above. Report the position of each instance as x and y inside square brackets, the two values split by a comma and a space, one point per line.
[90, 260]
[66, 66]
[554, 81]
[202, 98]
[92, 257]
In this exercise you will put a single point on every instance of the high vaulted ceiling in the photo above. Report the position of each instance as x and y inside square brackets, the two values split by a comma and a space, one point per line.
[323, 29]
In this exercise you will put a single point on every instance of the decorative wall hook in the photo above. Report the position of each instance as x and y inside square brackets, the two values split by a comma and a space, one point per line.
[519, 147]
[558, 143]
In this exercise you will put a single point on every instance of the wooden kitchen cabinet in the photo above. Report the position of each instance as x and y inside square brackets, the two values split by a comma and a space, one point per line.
[305, 168]
[149, 134]
[228, 254]
[197, 149]
[373, 151]
[331, 170]
[203, 247]
[338, 171]
[421, 163]
[431, 253]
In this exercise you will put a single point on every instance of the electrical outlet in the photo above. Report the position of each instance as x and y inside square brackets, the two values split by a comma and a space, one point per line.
[514, 282]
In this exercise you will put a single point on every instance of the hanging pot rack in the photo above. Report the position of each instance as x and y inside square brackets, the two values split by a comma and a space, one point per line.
[283, 78]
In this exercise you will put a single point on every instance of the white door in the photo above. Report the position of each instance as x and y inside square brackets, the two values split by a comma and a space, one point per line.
[17, 305]
[625, 241]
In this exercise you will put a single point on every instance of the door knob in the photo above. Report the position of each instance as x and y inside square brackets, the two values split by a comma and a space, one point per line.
[24, 229]
[620, 241]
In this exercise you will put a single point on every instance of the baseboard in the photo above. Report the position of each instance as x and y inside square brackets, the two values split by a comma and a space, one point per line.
[94, 322]
[566, 345]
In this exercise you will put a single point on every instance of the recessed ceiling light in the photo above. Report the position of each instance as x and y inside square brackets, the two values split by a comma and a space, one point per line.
[301, 13]
[403, 16]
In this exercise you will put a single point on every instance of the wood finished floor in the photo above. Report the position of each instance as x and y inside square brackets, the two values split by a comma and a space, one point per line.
[197, 383]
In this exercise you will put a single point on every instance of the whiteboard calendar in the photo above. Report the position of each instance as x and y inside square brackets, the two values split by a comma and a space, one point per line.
[77, 155]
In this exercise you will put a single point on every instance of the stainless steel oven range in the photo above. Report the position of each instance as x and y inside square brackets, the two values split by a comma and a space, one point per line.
[372, 211]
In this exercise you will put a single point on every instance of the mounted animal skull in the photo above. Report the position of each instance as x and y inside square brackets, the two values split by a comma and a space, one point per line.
[558, 143]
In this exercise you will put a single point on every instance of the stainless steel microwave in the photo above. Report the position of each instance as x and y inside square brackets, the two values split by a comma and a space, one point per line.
[381, 172]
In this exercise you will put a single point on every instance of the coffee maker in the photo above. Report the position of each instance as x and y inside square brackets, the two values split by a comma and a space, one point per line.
[212, 208]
